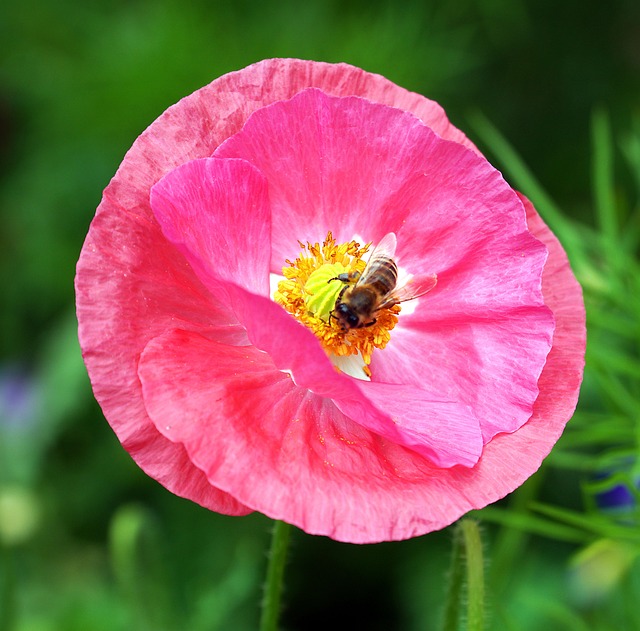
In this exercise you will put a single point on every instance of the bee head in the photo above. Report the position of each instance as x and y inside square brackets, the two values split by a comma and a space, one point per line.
[345, 316]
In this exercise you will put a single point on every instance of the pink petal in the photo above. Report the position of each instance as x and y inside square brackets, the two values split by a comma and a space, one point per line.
[216, 212]
[482, 335]
[440, 429]
[509, 459]
[332, 164]
[281, 449]
[493, 366]
[131, 285]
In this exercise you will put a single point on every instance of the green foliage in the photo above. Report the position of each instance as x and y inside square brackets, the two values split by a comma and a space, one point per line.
[601, 446]
[86, 540]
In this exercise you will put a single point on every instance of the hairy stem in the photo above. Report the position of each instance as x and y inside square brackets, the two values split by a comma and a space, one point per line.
[467, 570]
[275, 573]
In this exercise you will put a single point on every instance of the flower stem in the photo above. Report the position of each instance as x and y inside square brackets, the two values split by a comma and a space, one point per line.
[475, 575]
[467, 566]
[275, 572]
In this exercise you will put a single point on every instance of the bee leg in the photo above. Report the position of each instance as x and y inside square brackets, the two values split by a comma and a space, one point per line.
[343, 278]
[337, 319]
[342, 291]
[346, 277]
[370, 323]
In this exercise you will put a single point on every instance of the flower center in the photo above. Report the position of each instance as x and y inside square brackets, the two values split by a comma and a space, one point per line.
[322, 278]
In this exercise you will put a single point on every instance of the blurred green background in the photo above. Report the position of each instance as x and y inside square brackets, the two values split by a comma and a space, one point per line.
[87, 541]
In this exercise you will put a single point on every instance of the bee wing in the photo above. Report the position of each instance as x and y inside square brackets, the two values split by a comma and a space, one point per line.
[415, 287]
[385, 249]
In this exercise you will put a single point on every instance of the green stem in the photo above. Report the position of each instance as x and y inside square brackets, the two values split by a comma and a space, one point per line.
[467, 566]
[475, 575]
[456, 582]
[275, 572]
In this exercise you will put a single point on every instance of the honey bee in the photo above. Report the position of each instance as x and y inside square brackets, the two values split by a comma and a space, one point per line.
[365, 294]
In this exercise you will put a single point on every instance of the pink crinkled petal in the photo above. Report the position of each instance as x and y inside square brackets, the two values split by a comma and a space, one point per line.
[196, 125]
[493, 367]
[332, 164]
[484, 331]
[216, 213]
[444, 431]
[279, 448]
[132, 285]
[509, 459]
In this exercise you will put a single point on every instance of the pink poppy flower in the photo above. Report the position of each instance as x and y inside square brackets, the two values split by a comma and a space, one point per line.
[263, 190]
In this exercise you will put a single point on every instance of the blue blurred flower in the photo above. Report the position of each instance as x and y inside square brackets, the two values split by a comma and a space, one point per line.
[19, 398]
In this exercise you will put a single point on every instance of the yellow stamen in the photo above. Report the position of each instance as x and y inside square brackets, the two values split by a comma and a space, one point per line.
[310, 292]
